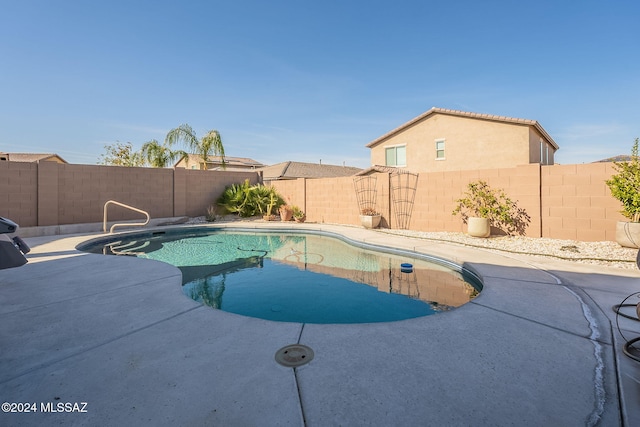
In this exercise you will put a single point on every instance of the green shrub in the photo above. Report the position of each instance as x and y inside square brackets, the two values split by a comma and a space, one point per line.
[625, 185]
[485, 202]
[249, 200]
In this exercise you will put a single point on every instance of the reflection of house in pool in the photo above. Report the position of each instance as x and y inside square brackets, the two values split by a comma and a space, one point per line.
[205, 283]
[428, 282]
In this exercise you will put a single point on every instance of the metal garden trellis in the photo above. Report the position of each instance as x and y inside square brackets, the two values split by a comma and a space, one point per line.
[403, 193]
[366, 192]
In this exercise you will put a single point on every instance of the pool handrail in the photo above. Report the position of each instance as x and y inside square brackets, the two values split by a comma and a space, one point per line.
[122, 224]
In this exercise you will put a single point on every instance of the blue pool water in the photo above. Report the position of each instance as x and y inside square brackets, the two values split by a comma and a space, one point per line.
[303, 278]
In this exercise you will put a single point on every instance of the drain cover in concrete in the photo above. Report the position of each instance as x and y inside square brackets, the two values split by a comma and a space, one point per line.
[294, 355]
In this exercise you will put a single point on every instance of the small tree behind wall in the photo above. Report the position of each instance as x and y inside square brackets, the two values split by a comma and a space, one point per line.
[366, 194]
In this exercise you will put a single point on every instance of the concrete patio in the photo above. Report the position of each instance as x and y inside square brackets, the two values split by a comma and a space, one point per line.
[538, 346]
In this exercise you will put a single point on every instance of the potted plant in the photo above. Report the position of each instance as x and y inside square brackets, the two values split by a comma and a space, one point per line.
[366, 195]
[625, 186]
[212, 213]
[483, 207]
[298, 214]
[370, 218]
[286, 213]
[273, 200]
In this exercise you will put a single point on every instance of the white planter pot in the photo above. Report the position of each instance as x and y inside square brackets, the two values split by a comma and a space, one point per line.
[478, 227]
[370, 221]
[628, 234]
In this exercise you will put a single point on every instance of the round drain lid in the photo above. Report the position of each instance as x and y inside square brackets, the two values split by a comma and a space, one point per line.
[294, 355]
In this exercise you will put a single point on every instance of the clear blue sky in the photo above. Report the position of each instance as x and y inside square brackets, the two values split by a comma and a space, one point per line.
[310, 80]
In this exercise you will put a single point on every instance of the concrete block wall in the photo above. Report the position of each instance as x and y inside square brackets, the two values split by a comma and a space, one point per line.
[577, 204]
[84, 189]
[19, 192]
[292, 191]
[202, 188]
[437, 194]
[563, 201]
[49, 194]
[332, 200]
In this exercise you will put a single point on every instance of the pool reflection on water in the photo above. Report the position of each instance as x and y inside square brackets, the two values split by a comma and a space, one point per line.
[305, 278]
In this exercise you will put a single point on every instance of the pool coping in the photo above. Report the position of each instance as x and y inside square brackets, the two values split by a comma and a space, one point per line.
[314, 394]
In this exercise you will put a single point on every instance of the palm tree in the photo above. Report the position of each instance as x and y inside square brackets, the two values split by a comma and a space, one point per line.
[209, 145]
[160, 155]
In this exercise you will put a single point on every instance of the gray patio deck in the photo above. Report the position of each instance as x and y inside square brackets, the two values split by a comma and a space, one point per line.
[538, 346]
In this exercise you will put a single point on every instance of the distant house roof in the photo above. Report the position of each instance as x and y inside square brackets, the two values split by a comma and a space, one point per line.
[380, 168]
[618, 158]
[294, 170]
[491, 117]
[215, 162]
[31, 157]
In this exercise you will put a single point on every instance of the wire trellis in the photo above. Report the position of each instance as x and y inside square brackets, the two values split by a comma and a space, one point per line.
[366, 192]
[403, 194]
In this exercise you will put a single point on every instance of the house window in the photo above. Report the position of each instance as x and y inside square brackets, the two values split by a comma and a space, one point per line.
[396, 156]
[439, 149]
[544, 153]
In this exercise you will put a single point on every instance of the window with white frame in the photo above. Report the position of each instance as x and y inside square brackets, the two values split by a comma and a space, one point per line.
[544, 152]
[546, 155]
[396, 155]
[439, 149]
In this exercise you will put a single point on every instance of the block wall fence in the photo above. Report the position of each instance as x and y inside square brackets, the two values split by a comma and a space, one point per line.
[564, 201]
[48, 193]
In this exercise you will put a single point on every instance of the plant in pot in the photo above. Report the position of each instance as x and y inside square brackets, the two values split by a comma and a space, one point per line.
[273, 201]
[298, 214]
[370, 218]
[483, 207]
[625, 186]
[286, 213]
[366, 195]
[212, 213]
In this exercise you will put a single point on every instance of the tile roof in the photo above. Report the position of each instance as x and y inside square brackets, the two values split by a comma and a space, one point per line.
[381, 168]
[244, 162]
[30, 157]
[492, 117]
[294, 170]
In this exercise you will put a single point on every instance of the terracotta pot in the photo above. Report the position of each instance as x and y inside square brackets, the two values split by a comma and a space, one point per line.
[301, 219]
[478, 227]
[628, 234]
[269, 217]
[370, 221]
[286, 213]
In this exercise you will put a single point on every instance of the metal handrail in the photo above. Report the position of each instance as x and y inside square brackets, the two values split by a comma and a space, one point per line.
[125, 224]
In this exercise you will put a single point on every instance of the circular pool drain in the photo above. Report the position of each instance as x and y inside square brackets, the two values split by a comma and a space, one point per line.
[294, 355]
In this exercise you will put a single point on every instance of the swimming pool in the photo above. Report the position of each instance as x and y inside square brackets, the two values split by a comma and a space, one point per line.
[309, 277]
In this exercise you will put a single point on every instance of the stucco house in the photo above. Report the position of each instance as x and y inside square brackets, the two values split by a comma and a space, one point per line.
[215, 163]
[448, 140]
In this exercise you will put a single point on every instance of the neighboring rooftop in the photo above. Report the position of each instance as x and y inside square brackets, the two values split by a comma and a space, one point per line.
[381, 169]
[618, 158]
[295, 170]
[194, 161]
[491, 117]
[31, 157]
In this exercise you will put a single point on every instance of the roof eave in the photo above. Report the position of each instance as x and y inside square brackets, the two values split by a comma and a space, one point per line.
[457, 113]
